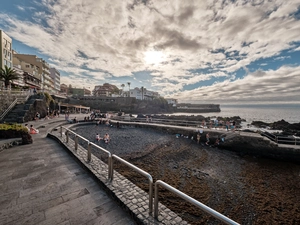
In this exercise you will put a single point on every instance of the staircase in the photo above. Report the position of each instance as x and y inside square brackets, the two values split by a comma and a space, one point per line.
[18, 113]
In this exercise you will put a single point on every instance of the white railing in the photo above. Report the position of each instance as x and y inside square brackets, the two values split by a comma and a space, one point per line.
[8, 109]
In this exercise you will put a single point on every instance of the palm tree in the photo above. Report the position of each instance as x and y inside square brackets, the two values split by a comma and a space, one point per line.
[7, 75]
[123, 85]
[129, 88]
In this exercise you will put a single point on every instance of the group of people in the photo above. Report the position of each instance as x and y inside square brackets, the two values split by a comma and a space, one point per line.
[228, 125]
[207, 141]
[105, 138]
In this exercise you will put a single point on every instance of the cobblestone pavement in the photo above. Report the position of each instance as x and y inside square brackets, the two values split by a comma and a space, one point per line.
[41, 183]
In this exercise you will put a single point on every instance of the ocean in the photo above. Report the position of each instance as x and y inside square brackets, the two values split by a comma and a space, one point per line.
[266, 113]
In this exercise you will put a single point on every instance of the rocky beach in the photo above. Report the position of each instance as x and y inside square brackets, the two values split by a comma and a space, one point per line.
[246, 188]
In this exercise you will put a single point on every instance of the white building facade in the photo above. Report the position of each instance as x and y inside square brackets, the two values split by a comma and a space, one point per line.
[55, 75]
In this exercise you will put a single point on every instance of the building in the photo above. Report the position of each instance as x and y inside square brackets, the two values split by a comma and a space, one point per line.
[143, 94]
[55, 75]
[30, 72]
[64, 89]
[105, 90]
[172, 101]
[5, 52]
[47, 84]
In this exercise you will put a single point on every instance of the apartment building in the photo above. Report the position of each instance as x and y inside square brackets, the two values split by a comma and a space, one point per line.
[55, 75]
[47, 84]
[5, 53]
[30, 72]
[6, 50]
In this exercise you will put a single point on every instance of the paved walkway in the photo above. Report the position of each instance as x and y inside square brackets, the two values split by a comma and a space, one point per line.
[41, 183]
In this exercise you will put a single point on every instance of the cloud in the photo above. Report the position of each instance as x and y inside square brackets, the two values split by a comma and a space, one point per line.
[255, 87]
[206, 41]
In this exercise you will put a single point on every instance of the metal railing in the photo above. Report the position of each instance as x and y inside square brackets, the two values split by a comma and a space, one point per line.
[140, 171]
[111, 157]
[191, 200]
[8, 109]
[89, 144]
[280, 139]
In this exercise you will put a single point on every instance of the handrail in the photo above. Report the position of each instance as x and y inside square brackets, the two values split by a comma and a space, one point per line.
[142, 172]
[8, 109]
[200, 205]
[157, 183]
[280, 139]
[89, 150]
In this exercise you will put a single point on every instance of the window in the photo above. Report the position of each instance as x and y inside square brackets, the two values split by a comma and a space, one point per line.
[27, 66]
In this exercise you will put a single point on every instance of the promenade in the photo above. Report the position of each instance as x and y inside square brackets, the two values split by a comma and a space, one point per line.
[41, 183]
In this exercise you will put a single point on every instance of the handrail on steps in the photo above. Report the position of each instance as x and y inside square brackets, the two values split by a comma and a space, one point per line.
[8, 109]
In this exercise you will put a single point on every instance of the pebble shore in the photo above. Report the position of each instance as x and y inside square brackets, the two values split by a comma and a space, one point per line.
[125, 140]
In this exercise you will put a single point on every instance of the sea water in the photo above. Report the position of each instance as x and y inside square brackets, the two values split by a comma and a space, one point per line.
[265, 113]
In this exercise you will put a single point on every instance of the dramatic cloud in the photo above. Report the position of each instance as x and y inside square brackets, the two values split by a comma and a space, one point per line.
[195, 51]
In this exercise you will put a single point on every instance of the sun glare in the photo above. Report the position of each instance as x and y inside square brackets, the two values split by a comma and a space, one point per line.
[153, 57]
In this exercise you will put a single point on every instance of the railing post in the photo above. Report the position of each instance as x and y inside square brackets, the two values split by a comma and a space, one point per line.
[156, 201]
[110, 168]
[67, 136]
[76, 142]
[89, 154]
[150, 196]
[60, 131]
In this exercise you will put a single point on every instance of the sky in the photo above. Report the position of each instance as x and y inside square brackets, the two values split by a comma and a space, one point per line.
[217, 51]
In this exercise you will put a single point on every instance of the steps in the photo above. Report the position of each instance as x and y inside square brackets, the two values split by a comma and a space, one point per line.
[18, 113]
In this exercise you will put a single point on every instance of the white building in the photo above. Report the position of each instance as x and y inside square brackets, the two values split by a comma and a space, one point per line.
[55, 75]
[5, 52]
[172, 101]
[143, 94]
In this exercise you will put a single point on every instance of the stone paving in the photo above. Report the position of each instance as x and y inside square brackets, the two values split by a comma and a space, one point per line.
[41, 183]
[131, 197]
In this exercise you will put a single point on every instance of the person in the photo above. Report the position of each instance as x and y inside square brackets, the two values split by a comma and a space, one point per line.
[26, 125]
[33, 130]
[227, 125]
[106, 138]
[37, 116]
[97, 137]
[217, 142]
[207, 139]
[75, 120]
[233, 126]
[198, 138]
[34, 91]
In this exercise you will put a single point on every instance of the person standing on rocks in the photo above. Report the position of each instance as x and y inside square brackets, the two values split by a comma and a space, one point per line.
[198, 138]
[207, 139]
[97, 137]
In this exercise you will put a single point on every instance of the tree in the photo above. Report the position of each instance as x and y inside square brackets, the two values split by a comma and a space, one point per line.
[123, 85]
[8, 75]
[129, 89]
